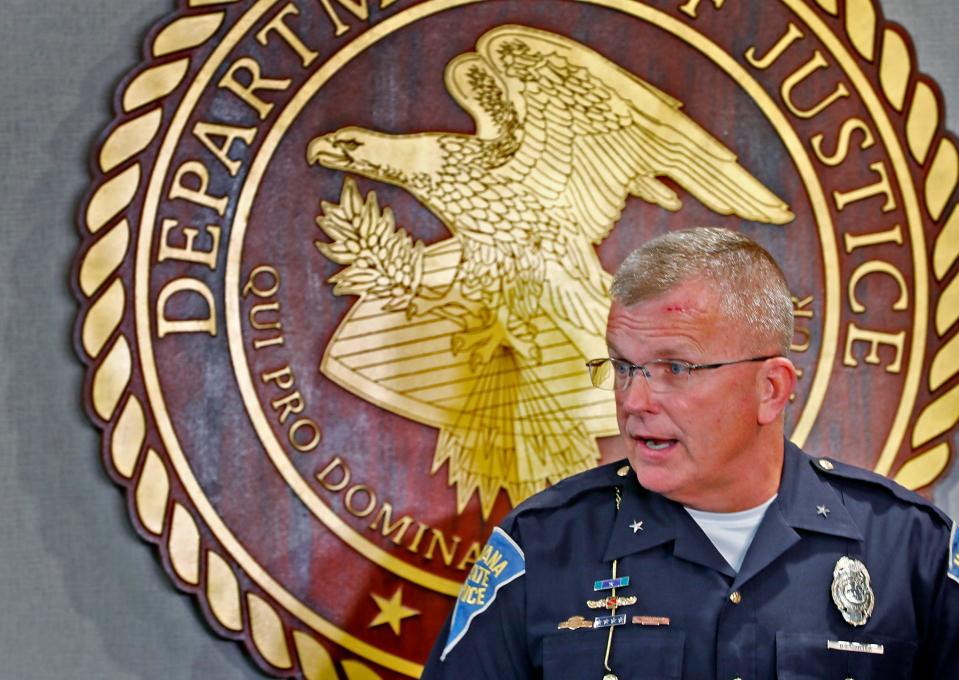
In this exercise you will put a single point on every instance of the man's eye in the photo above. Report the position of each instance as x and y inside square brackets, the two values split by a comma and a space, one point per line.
[621, 367]
[676, 367]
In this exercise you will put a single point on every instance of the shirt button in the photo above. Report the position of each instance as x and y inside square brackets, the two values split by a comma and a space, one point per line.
[735, 597]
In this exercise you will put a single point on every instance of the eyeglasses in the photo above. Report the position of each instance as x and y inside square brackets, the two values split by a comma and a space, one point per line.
[662, 375]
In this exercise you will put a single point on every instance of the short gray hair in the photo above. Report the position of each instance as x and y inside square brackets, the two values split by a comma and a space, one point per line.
[751, 285]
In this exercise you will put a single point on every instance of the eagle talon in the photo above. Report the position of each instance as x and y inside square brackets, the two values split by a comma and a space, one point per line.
[480, 338]
[486, 340]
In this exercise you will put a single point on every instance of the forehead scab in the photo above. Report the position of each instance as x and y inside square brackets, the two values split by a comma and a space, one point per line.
[686, 302]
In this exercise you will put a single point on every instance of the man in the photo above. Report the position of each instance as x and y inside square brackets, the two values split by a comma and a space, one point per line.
[721, 550]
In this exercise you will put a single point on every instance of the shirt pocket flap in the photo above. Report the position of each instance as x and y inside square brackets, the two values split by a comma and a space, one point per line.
[810, 656]
[638, 653]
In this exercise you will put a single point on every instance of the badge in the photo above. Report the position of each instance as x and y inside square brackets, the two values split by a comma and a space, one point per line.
[851, 591]
[574, 623]
[611, 602]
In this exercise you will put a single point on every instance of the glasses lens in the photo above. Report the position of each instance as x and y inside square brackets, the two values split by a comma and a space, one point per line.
[601, 374]
[667, 376]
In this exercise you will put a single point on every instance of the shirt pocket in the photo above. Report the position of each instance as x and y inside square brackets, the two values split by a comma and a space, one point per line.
[638, 653]
[806, 656]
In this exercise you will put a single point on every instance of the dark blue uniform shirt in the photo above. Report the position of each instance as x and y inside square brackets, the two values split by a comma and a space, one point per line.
[776, 618]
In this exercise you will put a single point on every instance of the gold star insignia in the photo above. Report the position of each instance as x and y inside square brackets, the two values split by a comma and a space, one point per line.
[392, 610]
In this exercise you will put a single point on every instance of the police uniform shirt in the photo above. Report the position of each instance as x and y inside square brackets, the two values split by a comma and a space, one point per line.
[775, 618]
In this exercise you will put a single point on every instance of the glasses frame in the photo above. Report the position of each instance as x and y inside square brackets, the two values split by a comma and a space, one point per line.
[688, 368]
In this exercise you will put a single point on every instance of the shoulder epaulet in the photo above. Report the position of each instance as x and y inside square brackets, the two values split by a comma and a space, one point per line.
[834, 468]
[567, 489]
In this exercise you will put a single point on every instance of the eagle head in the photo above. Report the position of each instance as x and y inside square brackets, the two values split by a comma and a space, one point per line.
[397, 159]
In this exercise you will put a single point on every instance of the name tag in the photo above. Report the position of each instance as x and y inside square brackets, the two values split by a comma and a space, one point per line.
[862, 648]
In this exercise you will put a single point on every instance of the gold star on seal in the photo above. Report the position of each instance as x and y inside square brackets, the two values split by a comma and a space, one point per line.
[392, 610]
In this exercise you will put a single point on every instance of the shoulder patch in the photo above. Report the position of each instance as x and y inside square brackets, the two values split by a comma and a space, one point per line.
[953, 569]
[501, 562]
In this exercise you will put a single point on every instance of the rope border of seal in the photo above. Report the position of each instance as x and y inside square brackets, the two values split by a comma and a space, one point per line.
[197, 566]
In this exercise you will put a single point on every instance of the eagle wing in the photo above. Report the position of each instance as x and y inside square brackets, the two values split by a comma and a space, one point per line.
[590, 134]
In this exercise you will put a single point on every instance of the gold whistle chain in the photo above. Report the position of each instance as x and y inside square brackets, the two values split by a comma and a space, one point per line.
[609, 638]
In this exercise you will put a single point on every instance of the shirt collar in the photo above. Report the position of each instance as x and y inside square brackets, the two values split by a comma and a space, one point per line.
[662, 521]
[808, 502]
[802, 494]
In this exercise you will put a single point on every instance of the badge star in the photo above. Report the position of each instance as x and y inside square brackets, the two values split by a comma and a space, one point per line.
[392, 610]
[636, 526]
[822, 510]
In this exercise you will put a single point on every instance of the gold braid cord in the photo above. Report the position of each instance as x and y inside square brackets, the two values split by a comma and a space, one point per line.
[236, 608]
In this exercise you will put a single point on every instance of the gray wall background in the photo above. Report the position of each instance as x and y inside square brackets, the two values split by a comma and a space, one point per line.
[80, 595]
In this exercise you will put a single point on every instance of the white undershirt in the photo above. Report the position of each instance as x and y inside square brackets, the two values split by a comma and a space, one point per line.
[731, 532]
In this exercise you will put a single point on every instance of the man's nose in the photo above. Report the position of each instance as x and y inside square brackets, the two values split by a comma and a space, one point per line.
[638, 396]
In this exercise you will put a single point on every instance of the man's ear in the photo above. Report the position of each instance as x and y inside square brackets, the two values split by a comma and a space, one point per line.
[777, 382]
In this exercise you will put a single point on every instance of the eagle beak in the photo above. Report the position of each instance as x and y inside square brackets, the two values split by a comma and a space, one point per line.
[322, 151]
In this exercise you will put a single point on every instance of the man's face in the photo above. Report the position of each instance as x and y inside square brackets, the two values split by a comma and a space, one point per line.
[701, 446]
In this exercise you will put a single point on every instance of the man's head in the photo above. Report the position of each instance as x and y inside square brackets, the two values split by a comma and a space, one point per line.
[751, 285]
[703, 297]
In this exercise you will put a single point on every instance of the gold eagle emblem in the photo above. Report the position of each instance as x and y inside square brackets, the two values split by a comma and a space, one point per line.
[484, 335]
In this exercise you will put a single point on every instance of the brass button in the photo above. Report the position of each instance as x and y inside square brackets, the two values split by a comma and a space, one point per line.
[735, 597]
[623, 471]
[826, 465]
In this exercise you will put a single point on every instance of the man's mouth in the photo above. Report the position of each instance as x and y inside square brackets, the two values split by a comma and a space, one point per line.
[656, 444]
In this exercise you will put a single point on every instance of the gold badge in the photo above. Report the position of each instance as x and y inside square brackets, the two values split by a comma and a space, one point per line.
[611, 602]
[851, 591]
[574, 623]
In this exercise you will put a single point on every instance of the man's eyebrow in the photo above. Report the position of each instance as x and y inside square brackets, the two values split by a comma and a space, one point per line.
[671, 352]
[614, 353]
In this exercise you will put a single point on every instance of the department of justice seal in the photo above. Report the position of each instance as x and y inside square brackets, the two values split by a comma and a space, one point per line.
[342, 262]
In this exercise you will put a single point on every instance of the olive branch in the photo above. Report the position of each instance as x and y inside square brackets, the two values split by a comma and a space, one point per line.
[382, 260]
